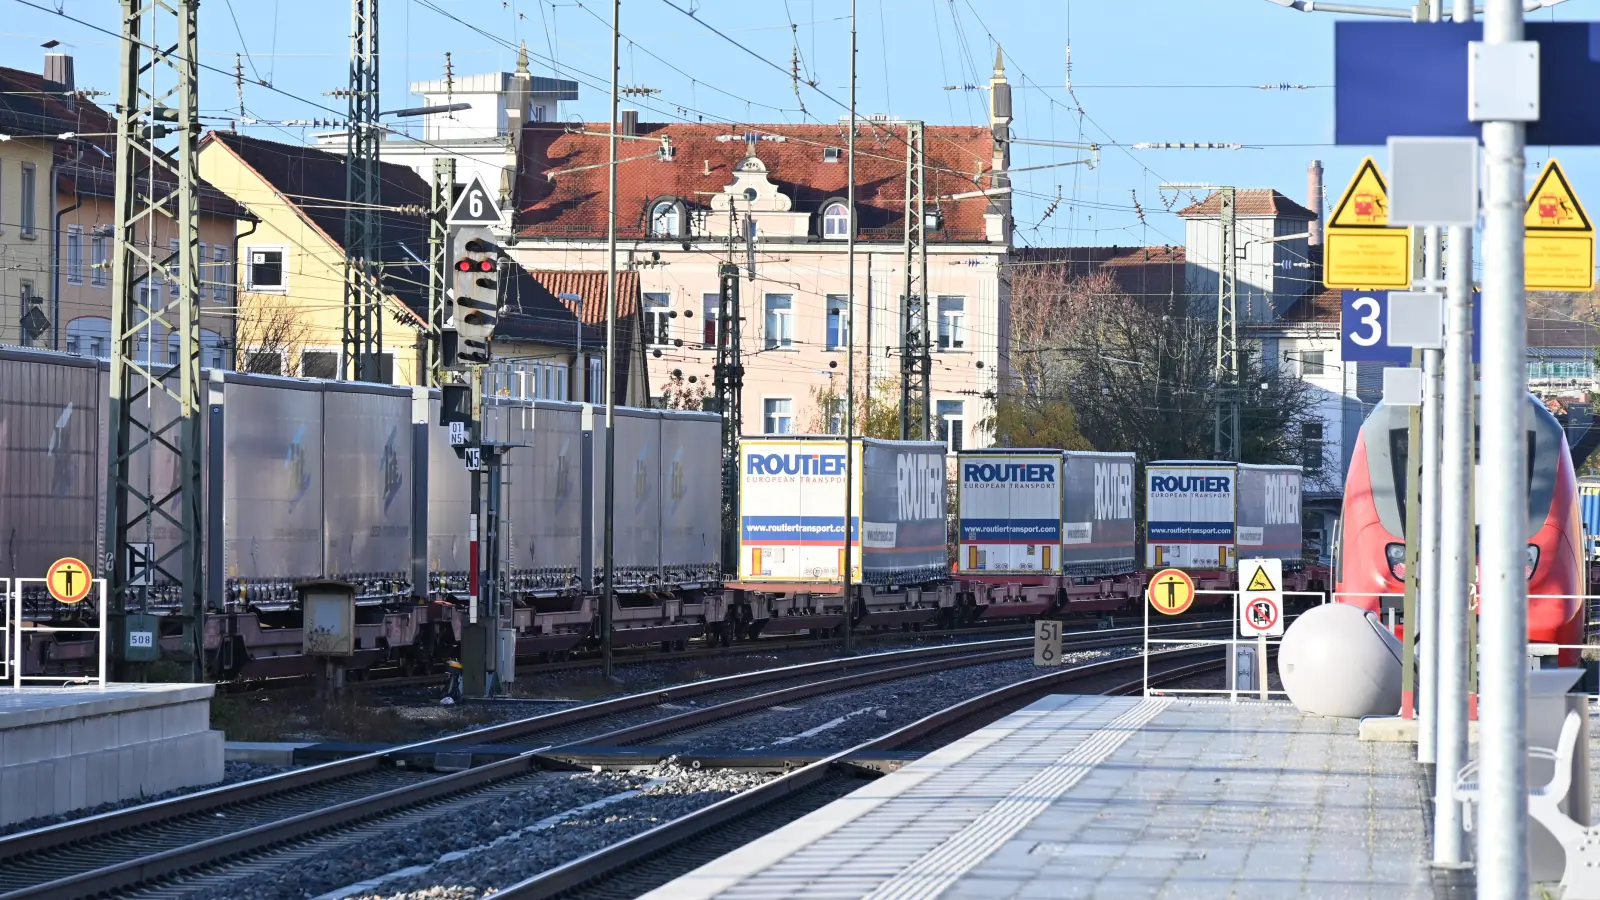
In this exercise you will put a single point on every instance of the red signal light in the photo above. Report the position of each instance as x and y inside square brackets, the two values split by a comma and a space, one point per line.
[485, 265]
[464, 265]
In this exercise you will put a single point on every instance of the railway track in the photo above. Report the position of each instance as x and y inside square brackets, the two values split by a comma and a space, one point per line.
[650, 859]
[110, 854]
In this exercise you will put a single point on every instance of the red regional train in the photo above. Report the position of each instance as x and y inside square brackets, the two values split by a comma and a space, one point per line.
[1371, 558]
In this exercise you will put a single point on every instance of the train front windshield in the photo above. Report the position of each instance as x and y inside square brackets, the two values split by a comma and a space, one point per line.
[1399, 447]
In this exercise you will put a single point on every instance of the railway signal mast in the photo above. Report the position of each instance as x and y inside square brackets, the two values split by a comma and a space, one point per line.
[156, 405]
[471, 310]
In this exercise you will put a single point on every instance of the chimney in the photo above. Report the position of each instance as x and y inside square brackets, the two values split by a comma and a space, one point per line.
[58, 68]
[630, 122]
[1314, 201]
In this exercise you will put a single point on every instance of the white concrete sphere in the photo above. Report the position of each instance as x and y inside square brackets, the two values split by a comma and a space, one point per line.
[1338, 660]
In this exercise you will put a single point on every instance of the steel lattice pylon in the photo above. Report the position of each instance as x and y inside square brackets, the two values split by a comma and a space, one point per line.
[728, 400]
[363, 298]
[155, 390]
[916, 365]
[444, 182]
[1225, 437]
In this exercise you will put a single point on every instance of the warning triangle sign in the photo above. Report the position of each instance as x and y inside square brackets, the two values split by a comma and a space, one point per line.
[1552, 204]
[1365, 203]
[475, 206]
[1260, 581]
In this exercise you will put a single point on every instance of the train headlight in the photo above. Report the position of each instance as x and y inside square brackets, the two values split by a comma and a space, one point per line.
[1396, 555]
[1533, 560]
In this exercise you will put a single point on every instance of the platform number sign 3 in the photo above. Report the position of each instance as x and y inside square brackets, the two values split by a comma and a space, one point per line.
[1047, 643]
[1171, 592]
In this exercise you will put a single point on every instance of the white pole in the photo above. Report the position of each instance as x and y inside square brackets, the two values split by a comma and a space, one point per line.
[1450, 751]
[1428, 549]
[1503, 610]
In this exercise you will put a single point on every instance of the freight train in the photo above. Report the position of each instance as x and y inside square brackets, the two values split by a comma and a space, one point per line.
[358, 482]
[1371, 561]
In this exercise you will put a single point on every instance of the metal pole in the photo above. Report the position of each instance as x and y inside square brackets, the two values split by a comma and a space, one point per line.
[1503, 607]
[850, 343]
[1428, 599]
[1450, 657]
[608, 595]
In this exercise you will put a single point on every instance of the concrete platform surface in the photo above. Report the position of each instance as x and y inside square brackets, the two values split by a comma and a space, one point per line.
[1079, 796]
[68, 748]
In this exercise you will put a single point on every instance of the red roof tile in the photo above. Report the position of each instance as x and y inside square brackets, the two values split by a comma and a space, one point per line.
[591, 286]
[1249, 202]
[574, 203]
[1146, 272]
[1318, 306]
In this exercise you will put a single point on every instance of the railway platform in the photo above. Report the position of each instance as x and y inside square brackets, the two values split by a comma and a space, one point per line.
[73, 747]
[1092, 796]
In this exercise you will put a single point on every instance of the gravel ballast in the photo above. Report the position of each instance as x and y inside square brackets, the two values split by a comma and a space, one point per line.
[558, 819]
[836, 721]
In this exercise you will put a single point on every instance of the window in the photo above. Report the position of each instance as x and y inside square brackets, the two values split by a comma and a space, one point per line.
[952, 323]
[597, 380]
[319, 364]
[1311, 451]
[263, 362]
[664, 219]
[780, 321]
[30, 199]
[838, 321]
[658, 319]
[173, 270]
[265, 274]
[779, 415]
[710, 314]
[952, 424]
[1311, 363]
[221, 274]
[100, 260]
[89, 336]
[74, 254]
[835, 222]
[836, 412]
[830, 154]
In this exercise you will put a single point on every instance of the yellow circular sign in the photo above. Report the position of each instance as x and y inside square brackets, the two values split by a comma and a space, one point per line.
[69, 580]
[1171, 591]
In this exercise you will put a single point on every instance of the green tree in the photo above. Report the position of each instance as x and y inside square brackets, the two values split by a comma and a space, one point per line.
[877, 411]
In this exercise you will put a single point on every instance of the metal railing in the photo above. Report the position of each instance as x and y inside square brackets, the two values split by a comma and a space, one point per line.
[1262, 643]
[19, 626]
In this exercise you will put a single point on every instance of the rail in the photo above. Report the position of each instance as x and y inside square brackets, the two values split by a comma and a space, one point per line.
[159, 840]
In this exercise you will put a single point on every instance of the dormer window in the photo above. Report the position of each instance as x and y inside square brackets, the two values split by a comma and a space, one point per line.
[830, 154]
[666, 219]
[835, 221]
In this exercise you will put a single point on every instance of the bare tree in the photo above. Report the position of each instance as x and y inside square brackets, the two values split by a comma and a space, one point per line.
[1140, 376]
[271, 339]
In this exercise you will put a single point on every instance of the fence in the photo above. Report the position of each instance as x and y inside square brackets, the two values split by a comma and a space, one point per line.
[1540, 654]
[17, 626]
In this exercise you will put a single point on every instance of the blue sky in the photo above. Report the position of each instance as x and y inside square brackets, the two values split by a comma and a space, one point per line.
[1143, 70]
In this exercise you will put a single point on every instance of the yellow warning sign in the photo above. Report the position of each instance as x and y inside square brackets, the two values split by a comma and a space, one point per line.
[1360, 249]
[1171, 591]
[1261, 581]
[1558, 253]
[68, 580]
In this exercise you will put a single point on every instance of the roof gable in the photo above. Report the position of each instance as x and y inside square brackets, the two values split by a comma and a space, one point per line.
[1257, 202]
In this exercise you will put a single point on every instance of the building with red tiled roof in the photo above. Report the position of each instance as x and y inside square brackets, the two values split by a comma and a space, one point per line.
[772, 199]
[1271, 238]
[61, 260]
